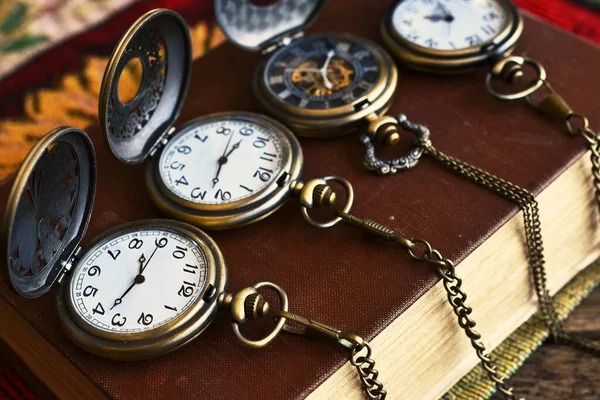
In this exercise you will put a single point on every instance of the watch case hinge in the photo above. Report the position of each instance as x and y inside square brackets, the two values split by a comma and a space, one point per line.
[282, 42]
[161, 142]
[68, 264]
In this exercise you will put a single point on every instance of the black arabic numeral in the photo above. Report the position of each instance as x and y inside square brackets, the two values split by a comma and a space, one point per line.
[473, 40]
[145, 319]
[114, 255]
[246, 131]
[223, 131]
[118, 323]
[190, 268]
[196, 192]
[94, 270]
[136, 244]
[223, 195]
[184, 149]
[99, 309]
[180, 252]
[162, 242]
[90, 291]
[262, 175]
[260, 142]
[182, 181]
[490, 16]
[177, 165]
[186, 291]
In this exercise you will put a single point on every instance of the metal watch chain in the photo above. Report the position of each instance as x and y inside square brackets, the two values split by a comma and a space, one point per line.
[249, 305]
[510, 71]
[523, 198]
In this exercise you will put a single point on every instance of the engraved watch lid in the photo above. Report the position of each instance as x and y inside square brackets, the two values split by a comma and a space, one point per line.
[48, 209]
[256, 27]
[160, 42]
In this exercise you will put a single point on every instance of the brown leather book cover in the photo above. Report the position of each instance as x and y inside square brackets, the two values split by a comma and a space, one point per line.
[340, 276]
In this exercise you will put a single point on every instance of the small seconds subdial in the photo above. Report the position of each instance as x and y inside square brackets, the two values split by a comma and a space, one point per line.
[449, 24]
[138, 280]
[221, 161]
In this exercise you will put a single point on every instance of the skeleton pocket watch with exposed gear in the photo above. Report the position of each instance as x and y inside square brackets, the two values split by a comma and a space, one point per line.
[320, 85]
[141, 289]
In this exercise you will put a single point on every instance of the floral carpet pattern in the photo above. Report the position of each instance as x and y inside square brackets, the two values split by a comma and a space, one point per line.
[52, 59]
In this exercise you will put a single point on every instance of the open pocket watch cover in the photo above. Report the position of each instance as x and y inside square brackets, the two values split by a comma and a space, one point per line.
[136, 291]
[463, 192]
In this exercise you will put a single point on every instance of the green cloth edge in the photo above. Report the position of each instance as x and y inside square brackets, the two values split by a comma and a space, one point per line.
[515, 349]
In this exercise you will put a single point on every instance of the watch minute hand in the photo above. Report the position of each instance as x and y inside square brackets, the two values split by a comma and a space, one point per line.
[120, 299]
[323, 70]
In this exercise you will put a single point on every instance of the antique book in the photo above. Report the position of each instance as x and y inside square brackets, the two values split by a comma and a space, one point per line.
[341, 276]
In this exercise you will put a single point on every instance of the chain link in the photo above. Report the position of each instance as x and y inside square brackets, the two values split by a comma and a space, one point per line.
[457, 297]
[354, 344]
[365, 366]
[421, 250]
[533, 237]
[593, 142]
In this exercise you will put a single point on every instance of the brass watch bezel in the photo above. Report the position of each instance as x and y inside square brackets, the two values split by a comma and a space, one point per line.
[333, 122]
[155, 342]
[452, 61]
[238, 213]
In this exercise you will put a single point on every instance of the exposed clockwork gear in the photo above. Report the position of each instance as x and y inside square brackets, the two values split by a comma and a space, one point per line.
[323, 72]
[337, 75]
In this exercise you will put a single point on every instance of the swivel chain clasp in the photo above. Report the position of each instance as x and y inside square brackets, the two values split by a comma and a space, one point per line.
[359, 350]
[318, 331]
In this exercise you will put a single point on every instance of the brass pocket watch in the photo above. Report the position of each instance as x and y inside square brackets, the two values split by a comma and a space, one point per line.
[450, 35]
[320, 85]
[219, 171]
[139, 290]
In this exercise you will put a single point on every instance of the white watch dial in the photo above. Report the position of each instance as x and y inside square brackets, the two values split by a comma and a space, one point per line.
[138, 280]
[449, 24]
[221, 161]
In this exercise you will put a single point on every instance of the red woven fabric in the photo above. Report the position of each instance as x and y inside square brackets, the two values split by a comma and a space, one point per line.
[568, 15]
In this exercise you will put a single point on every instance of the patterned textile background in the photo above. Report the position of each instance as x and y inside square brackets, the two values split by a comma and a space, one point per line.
[53, 54]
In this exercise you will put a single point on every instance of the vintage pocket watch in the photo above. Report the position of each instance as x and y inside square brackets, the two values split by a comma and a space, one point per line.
[319, 85]
[450, 35]
[219, 171]
[139, 290]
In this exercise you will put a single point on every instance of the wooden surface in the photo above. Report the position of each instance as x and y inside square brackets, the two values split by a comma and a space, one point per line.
[40, 365]
[560, 372]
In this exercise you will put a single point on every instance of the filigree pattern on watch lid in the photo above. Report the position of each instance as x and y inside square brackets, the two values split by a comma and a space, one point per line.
[48, 209]
[125, 120]
[255, 27]
[160, 42]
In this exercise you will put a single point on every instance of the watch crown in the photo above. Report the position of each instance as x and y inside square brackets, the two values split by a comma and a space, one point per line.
[256, 306]
[323, 196]
[511, 72]
[385, 130]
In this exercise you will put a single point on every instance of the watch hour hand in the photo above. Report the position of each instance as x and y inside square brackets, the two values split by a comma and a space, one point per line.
[142, 260]
[139, 278]
[435, 17]
[235, 146]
